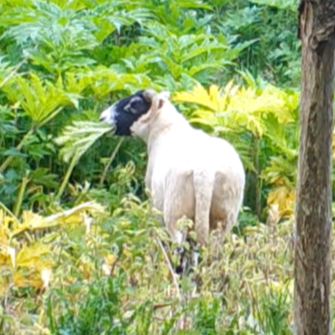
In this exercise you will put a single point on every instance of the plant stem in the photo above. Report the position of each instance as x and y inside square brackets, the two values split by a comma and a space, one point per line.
[173, 275]
[19, 201]
[8, 212]
[9, 159]
[258, 179]
[32, 130]
[73, 163]
[11, 75]
[103, 177]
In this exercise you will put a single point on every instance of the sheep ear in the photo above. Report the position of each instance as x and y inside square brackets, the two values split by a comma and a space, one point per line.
[162, 98]
[149, 95]
[166, 95]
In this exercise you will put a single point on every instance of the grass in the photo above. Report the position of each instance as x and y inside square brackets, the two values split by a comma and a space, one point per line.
[109, 276]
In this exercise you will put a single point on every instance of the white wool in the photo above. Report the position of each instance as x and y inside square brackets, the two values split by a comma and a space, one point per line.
[190, 173]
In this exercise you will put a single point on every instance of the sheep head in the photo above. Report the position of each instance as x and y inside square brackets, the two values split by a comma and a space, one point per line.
[131, 116]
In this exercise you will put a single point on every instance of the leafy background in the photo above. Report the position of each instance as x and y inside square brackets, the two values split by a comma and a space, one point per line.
[80, 250]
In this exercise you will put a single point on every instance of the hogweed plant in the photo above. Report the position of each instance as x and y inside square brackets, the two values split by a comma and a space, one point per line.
[75, 141]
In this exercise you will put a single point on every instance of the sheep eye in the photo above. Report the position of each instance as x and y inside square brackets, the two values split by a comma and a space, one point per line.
[130, 108]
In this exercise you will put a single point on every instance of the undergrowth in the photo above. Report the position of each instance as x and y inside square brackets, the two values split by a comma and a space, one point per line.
[80, 250]
[106, 274]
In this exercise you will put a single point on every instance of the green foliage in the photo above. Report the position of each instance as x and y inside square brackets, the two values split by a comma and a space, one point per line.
[77, 139]
[276, 53]
[256, 117]
[40, 102]
[63, 62]
[92, 272]
[98, 311]
[80, 247]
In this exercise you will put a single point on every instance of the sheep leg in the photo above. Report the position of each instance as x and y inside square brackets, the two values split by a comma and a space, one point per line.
[203, 187]
[177, 238]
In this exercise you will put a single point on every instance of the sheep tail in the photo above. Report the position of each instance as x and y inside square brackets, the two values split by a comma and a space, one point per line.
[203, 186]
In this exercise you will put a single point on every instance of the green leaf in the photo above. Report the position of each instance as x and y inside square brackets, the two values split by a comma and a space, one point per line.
[14, 152]
[79, 137]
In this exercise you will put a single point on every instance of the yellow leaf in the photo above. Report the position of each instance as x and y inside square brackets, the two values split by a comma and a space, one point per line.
[87, 269]
[127, 252]
[29, 278]
[213, 100]
[110, 259]
[243, 106]
[6, 220]
[31, 256]
[5, 259]
[283, 197]
[4, 285]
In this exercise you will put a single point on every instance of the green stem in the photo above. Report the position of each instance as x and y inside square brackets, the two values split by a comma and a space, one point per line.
[49, 118]
[258, 179]
[8, 212]
[73, 163]
[9, 159]
[19, 201]
[32, 130]
[103, 177]
[12, 74]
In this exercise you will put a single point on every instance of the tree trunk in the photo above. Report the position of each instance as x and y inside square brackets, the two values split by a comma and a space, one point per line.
[314, 191]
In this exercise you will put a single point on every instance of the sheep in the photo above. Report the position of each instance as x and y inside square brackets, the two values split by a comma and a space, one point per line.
[189, 173]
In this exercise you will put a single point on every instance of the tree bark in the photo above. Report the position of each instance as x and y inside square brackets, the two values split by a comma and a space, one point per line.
[314, 192]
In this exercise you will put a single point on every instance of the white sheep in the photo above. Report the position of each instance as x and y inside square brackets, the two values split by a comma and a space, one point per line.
[189, 173]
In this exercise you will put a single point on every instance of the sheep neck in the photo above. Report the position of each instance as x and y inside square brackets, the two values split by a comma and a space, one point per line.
[167, 120]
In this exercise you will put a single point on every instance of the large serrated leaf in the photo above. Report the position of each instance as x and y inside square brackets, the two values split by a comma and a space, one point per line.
[79, 137]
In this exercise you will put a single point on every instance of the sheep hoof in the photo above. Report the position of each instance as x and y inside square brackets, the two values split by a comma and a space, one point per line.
[187, 260]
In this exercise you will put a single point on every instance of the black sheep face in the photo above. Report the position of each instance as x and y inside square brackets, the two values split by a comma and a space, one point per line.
[126, 112]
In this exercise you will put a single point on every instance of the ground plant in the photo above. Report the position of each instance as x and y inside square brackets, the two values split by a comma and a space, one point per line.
[80, 249]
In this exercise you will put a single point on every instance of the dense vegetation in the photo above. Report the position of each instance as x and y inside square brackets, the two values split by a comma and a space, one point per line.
[80, 252]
